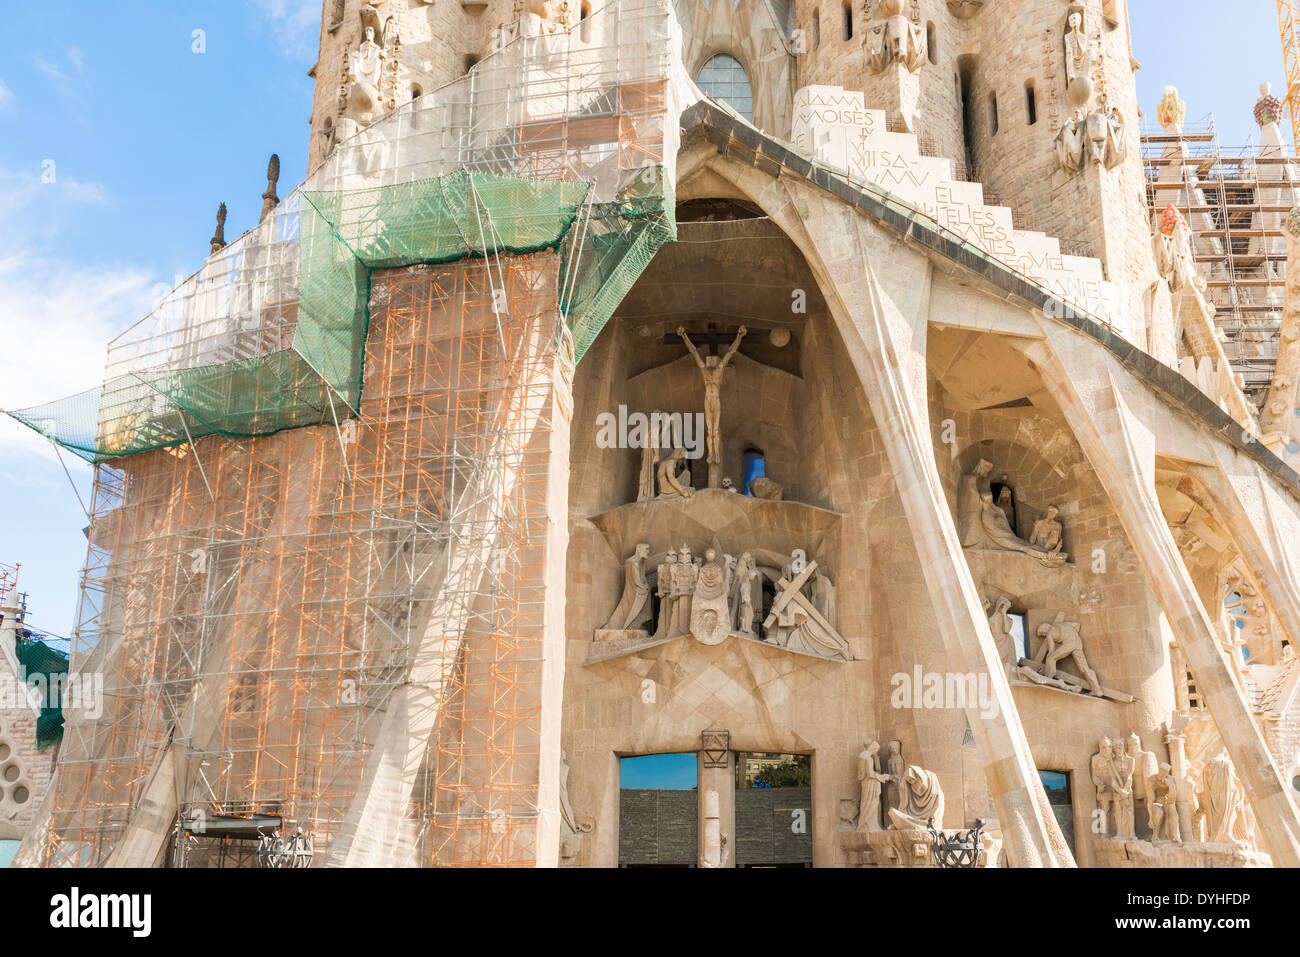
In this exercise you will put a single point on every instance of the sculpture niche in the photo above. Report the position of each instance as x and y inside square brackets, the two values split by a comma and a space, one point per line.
[982, 524]
[719, 596]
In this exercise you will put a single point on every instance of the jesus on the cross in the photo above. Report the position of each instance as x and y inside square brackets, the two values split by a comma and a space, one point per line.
[711, 369]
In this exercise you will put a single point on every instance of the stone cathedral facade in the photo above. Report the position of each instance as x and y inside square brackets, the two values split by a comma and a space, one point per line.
[878, 468]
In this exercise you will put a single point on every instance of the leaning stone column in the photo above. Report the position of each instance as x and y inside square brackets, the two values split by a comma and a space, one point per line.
[882, 317]
[1121, 449]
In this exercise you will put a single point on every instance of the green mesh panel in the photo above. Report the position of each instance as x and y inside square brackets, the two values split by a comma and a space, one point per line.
[343, 237]
[38, 658]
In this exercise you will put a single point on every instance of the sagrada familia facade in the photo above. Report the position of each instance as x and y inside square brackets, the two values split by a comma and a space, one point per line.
[774, 383]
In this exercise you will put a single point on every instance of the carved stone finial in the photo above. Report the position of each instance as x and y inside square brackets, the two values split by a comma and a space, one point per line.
[218, 240]
[269, 199]
[1172, 111]
[1268, 108]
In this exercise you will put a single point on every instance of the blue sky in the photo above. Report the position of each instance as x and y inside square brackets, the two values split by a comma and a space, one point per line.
[148, 136]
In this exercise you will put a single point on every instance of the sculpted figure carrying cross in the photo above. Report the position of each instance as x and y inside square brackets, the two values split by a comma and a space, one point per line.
[711, 369]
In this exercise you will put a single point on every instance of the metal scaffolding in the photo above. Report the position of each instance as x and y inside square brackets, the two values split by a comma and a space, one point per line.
[323, 484]
[1235, 202]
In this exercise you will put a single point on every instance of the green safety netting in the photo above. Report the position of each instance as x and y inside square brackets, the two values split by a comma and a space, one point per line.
[38, 659]
[316, 375]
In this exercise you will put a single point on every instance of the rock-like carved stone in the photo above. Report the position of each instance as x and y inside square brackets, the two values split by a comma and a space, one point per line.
[1080, 55]
[685, 573]
[981, 524]
[1069, 144]
[366, 71]
[1048, 532]
[1223, 804]
[1145, 768]
[747, 592]
[763, 487]
[571, 829]
[270, 199]
[1000, 626]
[1123, 767]
[796, 624]
[1060, 640]
[218, 240]
[922, 801]
[670, 472]
[712, 369]
[1102, 772]
[894, 39]
[667, 595]
[1268, 108]
[1098, 138]
[645, 489]
[964, 9]
[1173, 248]
[896, 768]
[710, 615]
[1171, 113]
[1162, 806]
[633, 611]
[870, 780]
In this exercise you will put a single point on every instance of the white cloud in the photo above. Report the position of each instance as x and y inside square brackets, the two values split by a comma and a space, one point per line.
[59, 317]
[68, 88]
[296, 22]
[58, 314]
[6, 95]
[22, 188]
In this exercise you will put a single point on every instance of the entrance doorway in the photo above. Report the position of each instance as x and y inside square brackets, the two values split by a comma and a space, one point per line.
[773, 810]
[658, 802]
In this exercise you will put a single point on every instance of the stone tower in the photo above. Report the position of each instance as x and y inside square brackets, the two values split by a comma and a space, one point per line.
[997, 91]
[378, 55]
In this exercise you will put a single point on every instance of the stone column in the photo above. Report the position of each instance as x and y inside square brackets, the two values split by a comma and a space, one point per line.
[1177, 742]
[882, 317]
[717, 808]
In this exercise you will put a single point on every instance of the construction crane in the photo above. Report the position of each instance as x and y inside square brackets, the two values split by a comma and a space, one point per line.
[1288, 18]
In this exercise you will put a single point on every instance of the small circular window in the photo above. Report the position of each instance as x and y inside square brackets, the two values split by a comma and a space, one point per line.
[1295, 783]
[20, 795]
[10, 773]
[4, 751]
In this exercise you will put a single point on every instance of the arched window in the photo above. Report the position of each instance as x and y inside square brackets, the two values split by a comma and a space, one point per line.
[848, 21]
[932, 41]
[723, 78]
[1031, 102]
[584, 17]
[993, 114]
[817, 29]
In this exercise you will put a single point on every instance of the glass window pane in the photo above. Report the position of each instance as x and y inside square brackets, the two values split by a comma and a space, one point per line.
[723, 78]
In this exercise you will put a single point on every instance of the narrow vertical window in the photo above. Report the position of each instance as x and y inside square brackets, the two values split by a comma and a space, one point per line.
[993, 114]
[817, 29]
[848, 21]
[1031, 102]
[585, 19]
[932, 41]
